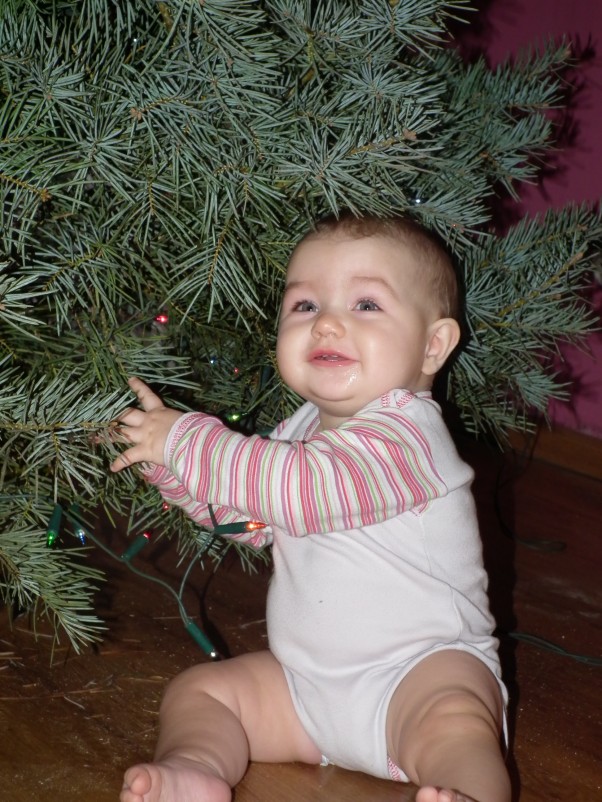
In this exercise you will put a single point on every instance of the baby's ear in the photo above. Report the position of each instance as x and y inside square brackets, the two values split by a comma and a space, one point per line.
[443, 336]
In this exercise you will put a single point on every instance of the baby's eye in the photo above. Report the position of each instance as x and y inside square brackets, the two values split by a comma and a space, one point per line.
[367, 305]
[305, 306]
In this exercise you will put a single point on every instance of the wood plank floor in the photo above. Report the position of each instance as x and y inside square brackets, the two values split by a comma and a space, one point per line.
[69, 728]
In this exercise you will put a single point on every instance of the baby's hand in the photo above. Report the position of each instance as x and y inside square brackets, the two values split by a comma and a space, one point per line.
[146, 428]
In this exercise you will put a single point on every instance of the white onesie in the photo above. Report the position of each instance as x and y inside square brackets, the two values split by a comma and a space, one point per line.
[350, 612]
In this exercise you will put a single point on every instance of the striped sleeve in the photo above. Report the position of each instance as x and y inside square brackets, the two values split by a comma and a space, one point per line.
[176, 494]
[371, 468]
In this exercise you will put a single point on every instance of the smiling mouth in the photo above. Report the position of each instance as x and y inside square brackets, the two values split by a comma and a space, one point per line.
[330, 358]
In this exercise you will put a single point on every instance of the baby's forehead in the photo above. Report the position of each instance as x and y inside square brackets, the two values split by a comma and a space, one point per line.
[382, 250]
[374, 239]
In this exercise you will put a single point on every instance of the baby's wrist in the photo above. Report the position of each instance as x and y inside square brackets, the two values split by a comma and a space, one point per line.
[176, 432]
[153, 473]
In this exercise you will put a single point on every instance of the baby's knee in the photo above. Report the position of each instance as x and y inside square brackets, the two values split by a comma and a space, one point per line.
[199, 679]
[457, 712]
[449, 694]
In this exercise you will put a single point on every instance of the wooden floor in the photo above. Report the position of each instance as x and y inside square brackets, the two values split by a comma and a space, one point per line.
[69, 729]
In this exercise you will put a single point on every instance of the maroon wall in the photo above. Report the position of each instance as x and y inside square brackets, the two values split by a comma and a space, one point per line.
[500, 29]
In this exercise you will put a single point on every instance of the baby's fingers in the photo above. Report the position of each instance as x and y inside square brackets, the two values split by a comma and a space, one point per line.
[131, 417]
[147, 398]
[128, 458]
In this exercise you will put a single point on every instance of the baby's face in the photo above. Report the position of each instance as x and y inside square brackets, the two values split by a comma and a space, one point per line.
[354, 324]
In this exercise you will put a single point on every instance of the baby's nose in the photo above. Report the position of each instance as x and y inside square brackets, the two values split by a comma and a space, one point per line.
[327, 324]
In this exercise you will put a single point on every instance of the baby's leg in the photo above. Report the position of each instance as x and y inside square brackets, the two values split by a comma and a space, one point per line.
[214, 718]
[443, 730]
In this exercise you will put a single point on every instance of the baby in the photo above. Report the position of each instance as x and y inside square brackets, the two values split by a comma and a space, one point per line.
[381, 656]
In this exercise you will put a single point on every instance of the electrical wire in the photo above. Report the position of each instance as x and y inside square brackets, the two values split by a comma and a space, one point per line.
[539, 544]
[191, 627]
[546, 645]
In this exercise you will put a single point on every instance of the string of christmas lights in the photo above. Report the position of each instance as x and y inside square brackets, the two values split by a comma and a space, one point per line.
[81, 532]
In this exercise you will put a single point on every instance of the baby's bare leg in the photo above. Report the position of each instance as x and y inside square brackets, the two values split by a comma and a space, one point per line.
[214, 718]
[443, 730]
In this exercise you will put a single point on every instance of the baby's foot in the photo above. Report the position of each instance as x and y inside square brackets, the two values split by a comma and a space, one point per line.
[431, 794]
[173, 780]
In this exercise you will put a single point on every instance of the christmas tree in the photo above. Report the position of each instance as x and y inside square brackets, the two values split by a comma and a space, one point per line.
[158, 161]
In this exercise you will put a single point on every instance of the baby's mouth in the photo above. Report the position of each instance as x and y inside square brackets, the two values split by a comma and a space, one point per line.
[330, 358]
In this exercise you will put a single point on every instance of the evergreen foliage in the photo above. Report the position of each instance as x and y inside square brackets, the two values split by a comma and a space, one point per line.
[163, 158]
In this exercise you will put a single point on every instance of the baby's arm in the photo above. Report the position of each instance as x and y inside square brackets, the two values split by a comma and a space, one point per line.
[369, 469]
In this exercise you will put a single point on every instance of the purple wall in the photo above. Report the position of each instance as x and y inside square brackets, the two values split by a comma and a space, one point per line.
[500, 29]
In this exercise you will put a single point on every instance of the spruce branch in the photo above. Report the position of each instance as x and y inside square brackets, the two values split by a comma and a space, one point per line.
[164, 158]
[52, 584]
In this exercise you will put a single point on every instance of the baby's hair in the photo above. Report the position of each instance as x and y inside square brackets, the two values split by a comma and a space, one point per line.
[434, 264]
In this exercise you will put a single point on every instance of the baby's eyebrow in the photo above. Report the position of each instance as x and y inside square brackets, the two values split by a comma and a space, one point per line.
[382, 282]
[294, 285]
